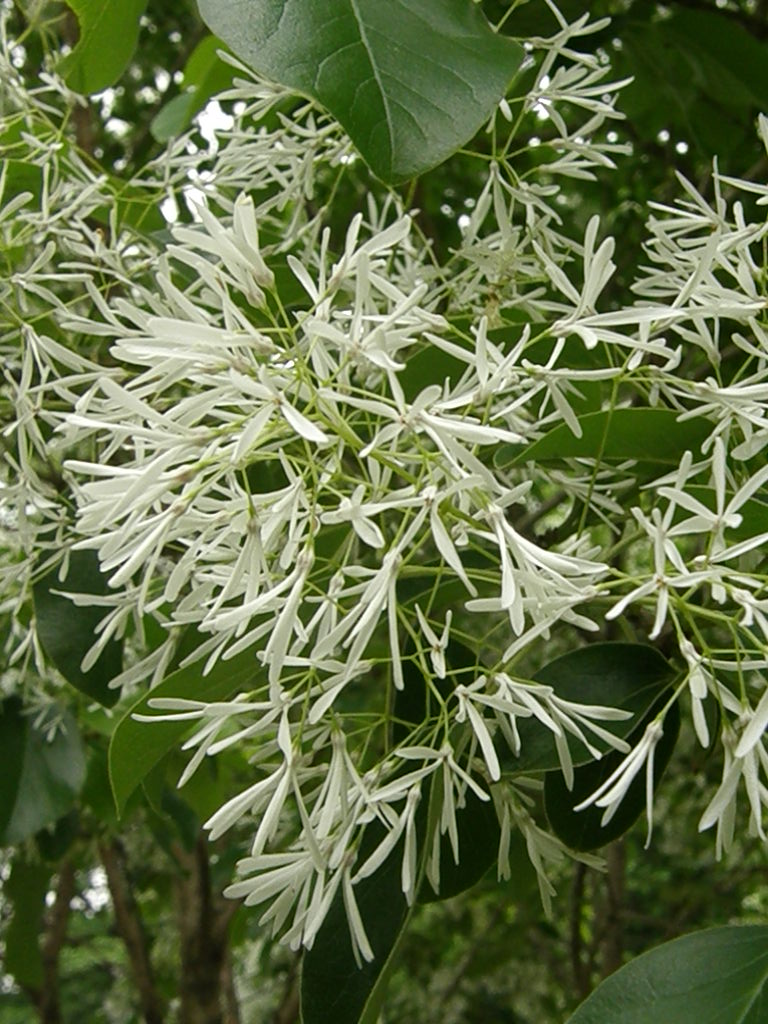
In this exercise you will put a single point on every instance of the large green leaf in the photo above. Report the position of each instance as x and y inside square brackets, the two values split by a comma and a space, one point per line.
[410, 80]
[41, 777]
[582, 830]
[476, 822]
[67, 631]
[628, 676]
[717, 976]
[730, 55]
[136, 747]
[109, 31]
[650, 435]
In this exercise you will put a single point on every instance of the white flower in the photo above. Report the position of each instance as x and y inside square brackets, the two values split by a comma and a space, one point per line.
[661, 582]
[700, 682]
[354, 511]
[481, 731]
[266, 391]
[236, 247]
[745, 757]
[725, 515]
[437, 645]
[610, 794]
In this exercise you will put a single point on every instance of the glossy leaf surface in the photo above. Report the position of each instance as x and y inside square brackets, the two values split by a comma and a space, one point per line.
[25, 892]
[479, 834]
[717, 976]
[628, 676]
[334, 989]
[67, 631]
[650, 435]
[410, 80]
[136, 746]
[582, 830]
[41, 777]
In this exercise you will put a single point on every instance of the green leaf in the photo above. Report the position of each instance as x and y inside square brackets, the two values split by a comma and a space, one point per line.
[698, 74]
[25, 890]
[173, 117]
[429, 365]
[135, 206]
[205, 74]
[40, 779]
[109, 31]
[20, 176]
[96, 795]
[334, 990]
[717, 976]
[650, 435]
[410, 80]
[67, 631]
[479, 835]
[582, 830]
[137, 747]
[172, 820]
[629, 676]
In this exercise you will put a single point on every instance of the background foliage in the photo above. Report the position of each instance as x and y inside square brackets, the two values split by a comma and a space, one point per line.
[115, 920]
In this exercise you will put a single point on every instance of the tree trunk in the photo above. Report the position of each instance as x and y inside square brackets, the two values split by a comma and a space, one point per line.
[582, 982]
[614, 916]
[131, 930]
[207, 994]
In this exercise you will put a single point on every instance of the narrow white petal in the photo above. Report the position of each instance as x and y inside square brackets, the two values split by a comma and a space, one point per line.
[302, 425]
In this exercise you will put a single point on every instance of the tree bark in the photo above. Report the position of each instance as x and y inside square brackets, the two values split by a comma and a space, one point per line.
[613, 945]
[579, 965]
[131, 930]
[231, 1006]
[206, 996]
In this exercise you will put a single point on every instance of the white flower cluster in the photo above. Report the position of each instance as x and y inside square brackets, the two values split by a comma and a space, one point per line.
[286, 448]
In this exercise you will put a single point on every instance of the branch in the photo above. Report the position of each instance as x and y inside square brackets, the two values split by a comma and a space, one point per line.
[231, 1006]
[131, 929]
[206, 988]
[580, 970]
[614, 910]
